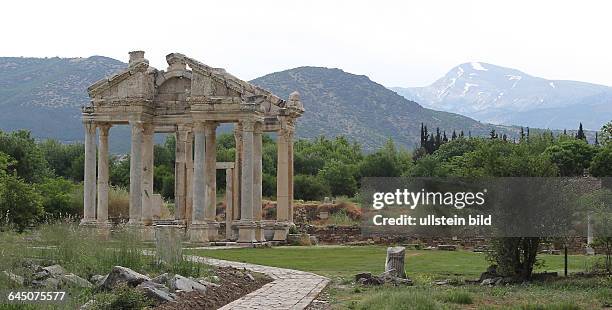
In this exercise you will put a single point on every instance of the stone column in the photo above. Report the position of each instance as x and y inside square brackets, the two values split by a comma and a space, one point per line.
[257, 180]
[189, 177]
[229, 203]
[282, 187]
[102, 215]
[198, 231]
[290, 178]
[147, 174]
[246, 225]
[210, 167]
[237, 178]
[179, 175]
[136, 174]
[89, 182]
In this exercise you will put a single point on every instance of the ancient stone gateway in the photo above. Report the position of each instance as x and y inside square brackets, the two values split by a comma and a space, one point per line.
[191, 99]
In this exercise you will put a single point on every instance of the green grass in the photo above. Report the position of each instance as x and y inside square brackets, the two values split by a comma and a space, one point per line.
[345, 261]
[341, 263]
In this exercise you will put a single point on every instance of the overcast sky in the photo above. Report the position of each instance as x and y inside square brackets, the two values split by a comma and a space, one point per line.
[395, 43]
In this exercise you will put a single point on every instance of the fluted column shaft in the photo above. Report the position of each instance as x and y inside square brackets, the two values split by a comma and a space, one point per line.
[257, 180]
[210, 167]
[282, 177]
[179, 176]
[199, 176]
[290, 178]
[136, 174]
[147, 172]
[102, 214]
[89, 182]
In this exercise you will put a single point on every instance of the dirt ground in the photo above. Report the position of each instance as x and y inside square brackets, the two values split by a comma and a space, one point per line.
[234, 284]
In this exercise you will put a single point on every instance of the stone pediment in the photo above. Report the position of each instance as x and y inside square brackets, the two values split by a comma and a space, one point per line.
[185, 82]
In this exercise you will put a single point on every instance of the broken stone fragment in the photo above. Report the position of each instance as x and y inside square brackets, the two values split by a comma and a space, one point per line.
[207, 284]
[75, 281]
[120, 275]
[161, 279]
[98, 280]
[156, 291]
[48, 283]
[54, 270]
[180, 283]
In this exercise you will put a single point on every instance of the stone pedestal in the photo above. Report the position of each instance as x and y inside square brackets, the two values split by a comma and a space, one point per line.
[148, 233]
[198, 233]
[260, 231]
[246, 232]
[213, 231]
[281, 229]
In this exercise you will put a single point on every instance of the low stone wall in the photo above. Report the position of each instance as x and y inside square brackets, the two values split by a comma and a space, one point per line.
[352, 235]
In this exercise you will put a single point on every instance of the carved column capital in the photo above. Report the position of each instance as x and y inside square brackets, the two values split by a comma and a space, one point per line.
[210, 128]
[149, 129]
[90, 126]
[104, 128]
[248, 125]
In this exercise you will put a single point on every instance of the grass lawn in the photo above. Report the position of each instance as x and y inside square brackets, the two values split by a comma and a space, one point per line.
[341, 263]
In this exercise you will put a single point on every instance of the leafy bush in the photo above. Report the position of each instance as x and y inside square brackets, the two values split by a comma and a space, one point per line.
[308, 187]
[20, 203]
[57, 197]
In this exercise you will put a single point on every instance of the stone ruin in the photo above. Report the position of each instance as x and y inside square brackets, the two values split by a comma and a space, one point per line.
[190, 100]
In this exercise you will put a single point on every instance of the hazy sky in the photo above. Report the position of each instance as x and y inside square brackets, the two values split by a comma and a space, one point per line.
[395, 43]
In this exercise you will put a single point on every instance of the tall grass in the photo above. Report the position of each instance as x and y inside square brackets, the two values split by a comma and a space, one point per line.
[394, 299]
[118, 202]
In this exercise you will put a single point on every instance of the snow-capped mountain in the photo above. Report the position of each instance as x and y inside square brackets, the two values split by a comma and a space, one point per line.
[508, 96]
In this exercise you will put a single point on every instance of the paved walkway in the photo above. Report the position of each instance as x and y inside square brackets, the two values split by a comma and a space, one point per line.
[290, 289]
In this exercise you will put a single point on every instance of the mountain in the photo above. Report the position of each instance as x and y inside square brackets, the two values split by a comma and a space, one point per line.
[499, 95]
[341, 103]
[45, 96]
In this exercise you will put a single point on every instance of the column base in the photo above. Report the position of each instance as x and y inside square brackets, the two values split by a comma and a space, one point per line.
[590, 251]
[281, 230]
[88, 222]
[135, 223]
[260, 231]
[198, 233]
[246, 232]
[148, 233]
[213, 231]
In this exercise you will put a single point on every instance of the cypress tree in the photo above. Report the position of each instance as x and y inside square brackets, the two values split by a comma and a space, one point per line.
[580, 134]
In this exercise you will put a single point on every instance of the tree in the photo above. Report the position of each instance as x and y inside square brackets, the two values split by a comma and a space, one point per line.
[66, 160]
[340, 178]
[606, 133]
[20, 203]
[580, 134]
[30, 165]
[572, 157]
[308, 187]
[57, 196]
[601, 165]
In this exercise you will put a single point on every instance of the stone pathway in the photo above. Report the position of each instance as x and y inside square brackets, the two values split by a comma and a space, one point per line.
[291, 289]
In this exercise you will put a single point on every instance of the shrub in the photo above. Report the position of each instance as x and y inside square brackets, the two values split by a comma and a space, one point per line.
[308, 187]
[57, 197]
[20, 203]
